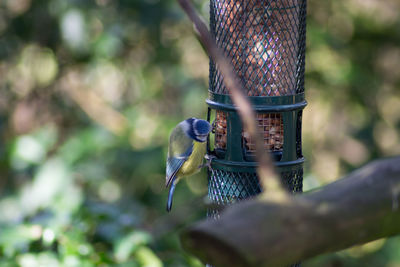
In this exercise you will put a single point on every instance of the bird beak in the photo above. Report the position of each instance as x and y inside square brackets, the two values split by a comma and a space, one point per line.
[202, 137]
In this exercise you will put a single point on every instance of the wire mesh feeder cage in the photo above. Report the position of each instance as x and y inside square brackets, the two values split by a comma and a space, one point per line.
[265, 41]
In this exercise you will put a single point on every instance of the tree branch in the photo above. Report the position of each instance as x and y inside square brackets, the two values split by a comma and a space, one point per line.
[269, 179]
[359, 208]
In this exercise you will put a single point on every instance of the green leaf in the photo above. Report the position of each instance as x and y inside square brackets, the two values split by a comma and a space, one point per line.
[130, 243]
[147, 258]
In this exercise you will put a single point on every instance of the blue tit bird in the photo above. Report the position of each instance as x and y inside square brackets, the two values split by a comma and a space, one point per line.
[187, 148]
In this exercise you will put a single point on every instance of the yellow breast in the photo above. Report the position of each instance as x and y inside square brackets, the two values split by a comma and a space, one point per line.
[191, 165]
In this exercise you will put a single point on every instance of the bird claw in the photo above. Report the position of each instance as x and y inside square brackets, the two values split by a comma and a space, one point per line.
[209, 159]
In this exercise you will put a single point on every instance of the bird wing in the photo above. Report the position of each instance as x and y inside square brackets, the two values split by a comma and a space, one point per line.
[174, 163]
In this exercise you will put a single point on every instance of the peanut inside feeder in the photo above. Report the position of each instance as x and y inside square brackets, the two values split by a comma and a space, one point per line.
[220, 130]
[271, 125]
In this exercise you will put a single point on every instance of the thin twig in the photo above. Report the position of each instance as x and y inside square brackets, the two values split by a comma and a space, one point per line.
[269, 179]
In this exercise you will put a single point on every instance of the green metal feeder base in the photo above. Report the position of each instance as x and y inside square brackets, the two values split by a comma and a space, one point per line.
[229, 183]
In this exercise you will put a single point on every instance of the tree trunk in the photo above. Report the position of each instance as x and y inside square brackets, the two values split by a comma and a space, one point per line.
[359, 208]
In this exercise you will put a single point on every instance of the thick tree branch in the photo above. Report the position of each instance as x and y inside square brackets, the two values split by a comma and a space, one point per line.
[359, 208]
[266, 170]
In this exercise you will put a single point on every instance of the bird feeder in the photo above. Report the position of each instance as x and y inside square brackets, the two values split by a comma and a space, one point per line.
[265, 42]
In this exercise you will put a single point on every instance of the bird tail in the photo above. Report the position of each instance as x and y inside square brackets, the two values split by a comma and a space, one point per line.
[171, 194]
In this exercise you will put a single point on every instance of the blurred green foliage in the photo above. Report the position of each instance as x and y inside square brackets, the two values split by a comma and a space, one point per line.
[91, 89]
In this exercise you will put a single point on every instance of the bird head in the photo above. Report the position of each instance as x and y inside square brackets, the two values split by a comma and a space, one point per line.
[198, 129]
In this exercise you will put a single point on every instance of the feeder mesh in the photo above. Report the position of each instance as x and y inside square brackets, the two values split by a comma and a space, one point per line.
[227, 187]
[265, 41]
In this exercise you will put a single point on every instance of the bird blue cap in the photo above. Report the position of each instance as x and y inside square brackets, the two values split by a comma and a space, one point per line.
[201, 127]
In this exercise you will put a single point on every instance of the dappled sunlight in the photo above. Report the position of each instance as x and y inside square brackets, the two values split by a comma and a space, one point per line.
[143, 134]
[316, 117]
[363, 250]
[93, 104]
[384, 13]
[27, 150]
[352, 151]
[10, 210]
[36, 66]
[17, 7]
[326, 166]
[107, 81]
[389, 108]
[90, 91]
[333, 65]
[109, 191]
[387, 63]
[73, 29]
[387, 139]
[51, 180]
[36, 260]
[195, 61]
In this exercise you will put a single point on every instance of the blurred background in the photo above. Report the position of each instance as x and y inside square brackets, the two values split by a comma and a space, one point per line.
[90, 90]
